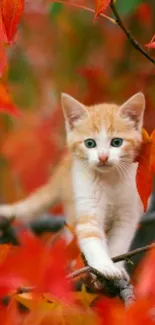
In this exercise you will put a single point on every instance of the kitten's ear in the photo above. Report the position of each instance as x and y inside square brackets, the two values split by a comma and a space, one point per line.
[134, 108]
[73, 110]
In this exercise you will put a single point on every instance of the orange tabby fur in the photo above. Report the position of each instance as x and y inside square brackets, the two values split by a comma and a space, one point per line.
[59, 186]
[96, 186]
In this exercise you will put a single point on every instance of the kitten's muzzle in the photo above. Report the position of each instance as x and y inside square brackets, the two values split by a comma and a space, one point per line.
[103, 159]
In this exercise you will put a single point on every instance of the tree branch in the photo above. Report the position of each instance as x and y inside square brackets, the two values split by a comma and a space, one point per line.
[129, 35]
[115, 259]
[126, 292]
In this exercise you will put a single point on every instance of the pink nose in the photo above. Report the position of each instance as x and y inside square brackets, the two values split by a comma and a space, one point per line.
[103, 158]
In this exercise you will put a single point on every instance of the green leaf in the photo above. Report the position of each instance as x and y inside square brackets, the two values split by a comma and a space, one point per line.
[127, 7]
[55, 9]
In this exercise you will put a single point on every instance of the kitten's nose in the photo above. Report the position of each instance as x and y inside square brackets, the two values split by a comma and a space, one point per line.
[103, 158]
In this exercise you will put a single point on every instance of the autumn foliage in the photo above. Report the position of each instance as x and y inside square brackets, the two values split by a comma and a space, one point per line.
[146, 167]
[34, 288]
[45, 49]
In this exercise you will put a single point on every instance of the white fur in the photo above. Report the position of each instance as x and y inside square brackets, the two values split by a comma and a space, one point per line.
[106, 192]
[113, 200]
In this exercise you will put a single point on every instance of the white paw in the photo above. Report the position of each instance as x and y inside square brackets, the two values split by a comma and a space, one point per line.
[125, 275]
[110, 271]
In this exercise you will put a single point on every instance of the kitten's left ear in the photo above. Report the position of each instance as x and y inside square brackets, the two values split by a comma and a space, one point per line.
[73, 110]
[134, 108]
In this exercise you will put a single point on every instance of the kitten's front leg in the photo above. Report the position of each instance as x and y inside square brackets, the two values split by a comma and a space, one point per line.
[89, 222]
[121, 234]
[92, 242]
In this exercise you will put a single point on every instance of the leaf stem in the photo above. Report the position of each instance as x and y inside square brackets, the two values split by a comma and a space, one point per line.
[85, 8]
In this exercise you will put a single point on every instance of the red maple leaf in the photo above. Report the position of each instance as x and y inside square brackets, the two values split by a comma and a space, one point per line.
[101, 6]
[146, 167]
[37, 265]
[3, 36]
[11, 12]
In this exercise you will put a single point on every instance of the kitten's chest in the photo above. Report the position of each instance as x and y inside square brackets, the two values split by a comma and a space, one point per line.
[112, 194]
[112, 198]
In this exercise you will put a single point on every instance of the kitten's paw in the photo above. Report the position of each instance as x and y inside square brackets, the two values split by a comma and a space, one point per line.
[110, 271]
[122, 269]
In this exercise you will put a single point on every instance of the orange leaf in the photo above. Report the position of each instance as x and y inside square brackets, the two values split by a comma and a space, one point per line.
[100, 6]
[145, 171]
[11, 14]
[6, 104]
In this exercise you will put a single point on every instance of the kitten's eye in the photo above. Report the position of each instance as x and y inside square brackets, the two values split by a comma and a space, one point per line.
[116, 142]
[90, 143]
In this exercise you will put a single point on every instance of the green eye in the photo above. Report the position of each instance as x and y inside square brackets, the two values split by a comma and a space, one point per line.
[90, 143]
[116, 142]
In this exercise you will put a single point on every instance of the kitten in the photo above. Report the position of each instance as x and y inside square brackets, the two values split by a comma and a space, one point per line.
[97, 180]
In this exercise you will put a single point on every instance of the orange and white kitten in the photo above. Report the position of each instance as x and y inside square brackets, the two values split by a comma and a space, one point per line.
[97, 180]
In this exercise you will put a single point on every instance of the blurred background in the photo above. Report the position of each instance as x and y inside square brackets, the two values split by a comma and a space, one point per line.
[59, 48]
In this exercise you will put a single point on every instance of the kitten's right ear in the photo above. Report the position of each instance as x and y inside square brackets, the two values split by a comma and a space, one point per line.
[73, 110]
[133, 109]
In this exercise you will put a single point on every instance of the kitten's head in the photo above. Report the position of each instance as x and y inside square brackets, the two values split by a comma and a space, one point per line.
[105, 136]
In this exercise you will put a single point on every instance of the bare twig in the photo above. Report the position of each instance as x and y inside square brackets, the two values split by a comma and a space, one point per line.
[115, 259]
[129, 35]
